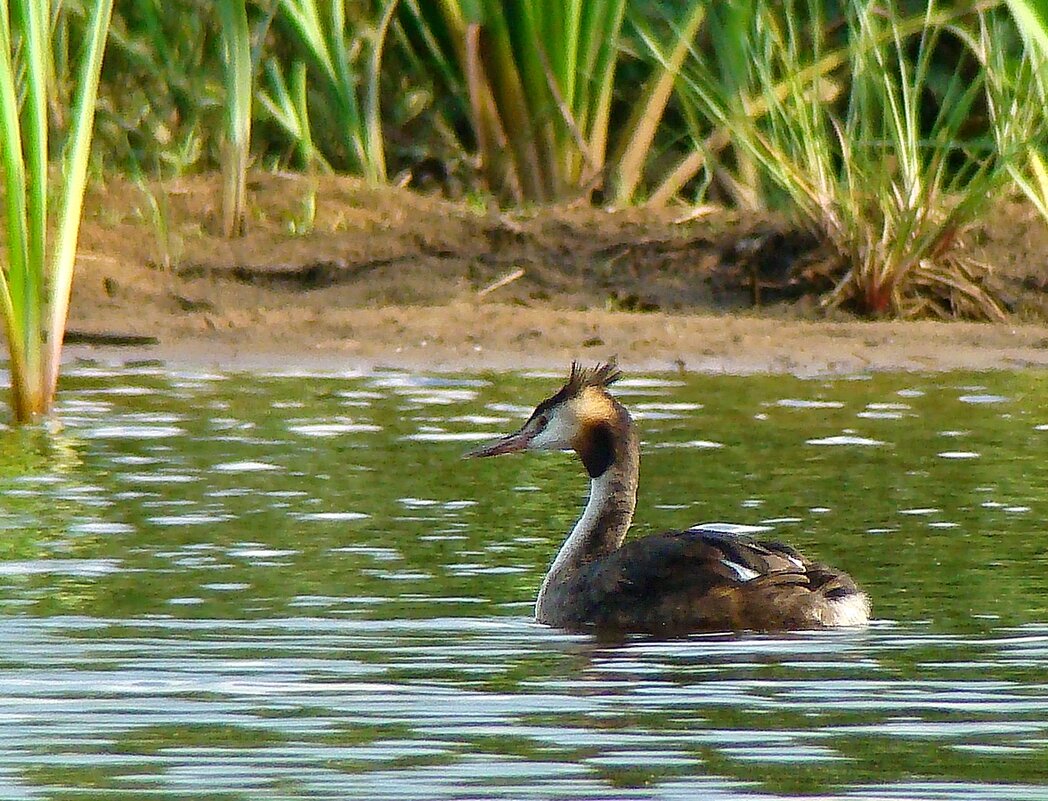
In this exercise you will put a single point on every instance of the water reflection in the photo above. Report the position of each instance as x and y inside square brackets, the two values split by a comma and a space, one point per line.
[273, 587]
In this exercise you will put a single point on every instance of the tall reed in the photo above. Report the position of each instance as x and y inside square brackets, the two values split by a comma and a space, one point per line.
[36, 281]
[236, 50]
[539, 81]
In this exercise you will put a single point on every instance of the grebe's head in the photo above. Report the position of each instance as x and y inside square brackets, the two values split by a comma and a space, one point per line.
[581, 416]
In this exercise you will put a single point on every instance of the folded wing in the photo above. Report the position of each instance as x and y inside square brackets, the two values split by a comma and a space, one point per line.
[708, 578]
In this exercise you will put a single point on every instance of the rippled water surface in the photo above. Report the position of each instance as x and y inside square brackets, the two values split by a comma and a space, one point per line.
[242, 586]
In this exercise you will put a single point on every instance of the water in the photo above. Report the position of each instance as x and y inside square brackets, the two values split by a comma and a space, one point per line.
[217, 586]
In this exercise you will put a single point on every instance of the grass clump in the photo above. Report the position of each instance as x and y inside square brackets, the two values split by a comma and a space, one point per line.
[874, 140]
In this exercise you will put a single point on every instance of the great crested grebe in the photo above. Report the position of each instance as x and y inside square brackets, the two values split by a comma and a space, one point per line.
[706, 578]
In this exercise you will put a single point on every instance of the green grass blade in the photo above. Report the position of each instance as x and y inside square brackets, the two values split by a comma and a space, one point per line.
[35, 46]
[14, 167]
[75, 163]
[647, 115]
[503, 72]
[236, 47]
[334, 40]
[501, 172]
[373, 145]
[334, 52]
[278, 103]
[1018, 132]
[13, 277]
[1032, 18]
[598, 59]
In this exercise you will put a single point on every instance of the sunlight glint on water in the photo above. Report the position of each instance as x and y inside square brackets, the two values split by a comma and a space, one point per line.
[273, 587]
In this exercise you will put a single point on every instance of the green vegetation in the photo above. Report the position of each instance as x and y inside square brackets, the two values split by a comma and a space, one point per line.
[874, 143]
[236, 50]
[346, 59]
[548, 101]
[1029, 79]
[38, 273]
[538, 81]
[882, 130]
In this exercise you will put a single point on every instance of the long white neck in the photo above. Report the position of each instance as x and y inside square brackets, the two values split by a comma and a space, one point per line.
[584, 534]
[600, 530]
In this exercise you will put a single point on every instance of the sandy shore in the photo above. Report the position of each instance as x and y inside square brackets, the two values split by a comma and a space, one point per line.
[469, 337]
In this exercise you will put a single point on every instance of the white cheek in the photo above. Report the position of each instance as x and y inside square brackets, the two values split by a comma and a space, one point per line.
[556, 436]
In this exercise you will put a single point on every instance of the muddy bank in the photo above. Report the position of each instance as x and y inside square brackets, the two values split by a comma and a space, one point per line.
[464, 336]
[333, 274]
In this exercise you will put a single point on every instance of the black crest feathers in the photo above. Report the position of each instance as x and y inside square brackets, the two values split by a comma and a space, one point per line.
[578, 379]
[600, 376]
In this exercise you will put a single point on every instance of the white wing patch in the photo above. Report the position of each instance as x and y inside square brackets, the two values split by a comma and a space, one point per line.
[741, 571]
[729, 528]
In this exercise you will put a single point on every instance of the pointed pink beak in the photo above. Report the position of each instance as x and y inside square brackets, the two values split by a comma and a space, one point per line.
[511, 443]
